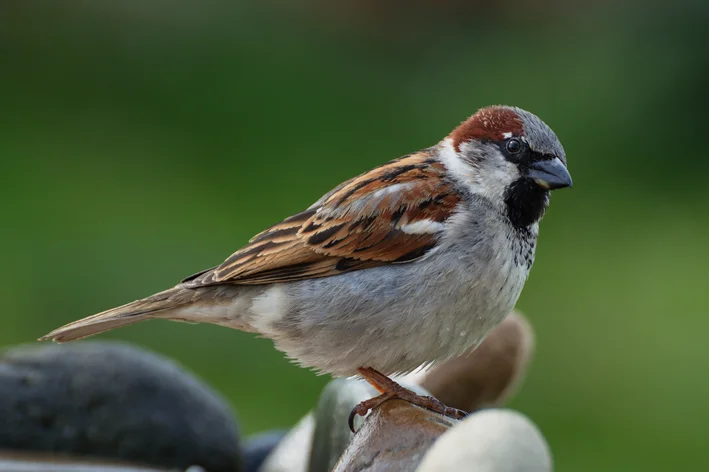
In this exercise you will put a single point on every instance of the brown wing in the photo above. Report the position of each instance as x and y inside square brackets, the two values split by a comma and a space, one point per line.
[391, 214]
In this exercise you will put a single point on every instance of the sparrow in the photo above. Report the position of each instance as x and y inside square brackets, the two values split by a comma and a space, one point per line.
[405, 265]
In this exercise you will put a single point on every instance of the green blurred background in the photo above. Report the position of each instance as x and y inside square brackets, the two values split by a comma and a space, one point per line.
[143, 141]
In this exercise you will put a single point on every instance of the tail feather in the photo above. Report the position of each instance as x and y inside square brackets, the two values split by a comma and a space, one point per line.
[130, 313]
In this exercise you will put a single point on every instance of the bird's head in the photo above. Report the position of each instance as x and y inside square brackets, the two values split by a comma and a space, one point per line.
[510, 157]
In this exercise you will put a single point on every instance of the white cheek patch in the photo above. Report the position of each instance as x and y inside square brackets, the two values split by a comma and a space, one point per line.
[422, 227]
[489, 177]
[458, 169]
[498, 176]
[268, 308]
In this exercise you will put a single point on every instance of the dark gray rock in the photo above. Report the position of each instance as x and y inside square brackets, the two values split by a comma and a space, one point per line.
[115, 401]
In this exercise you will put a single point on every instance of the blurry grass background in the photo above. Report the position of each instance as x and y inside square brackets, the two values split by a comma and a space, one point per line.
[143, 141]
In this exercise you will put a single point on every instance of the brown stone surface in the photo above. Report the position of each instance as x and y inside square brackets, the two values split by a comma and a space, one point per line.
[394, 438]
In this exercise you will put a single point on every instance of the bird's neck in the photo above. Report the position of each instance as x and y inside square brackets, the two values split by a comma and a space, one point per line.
[525, 203]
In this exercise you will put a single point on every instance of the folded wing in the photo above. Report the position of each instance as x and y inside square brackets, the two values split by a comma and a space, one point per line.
[391, 214]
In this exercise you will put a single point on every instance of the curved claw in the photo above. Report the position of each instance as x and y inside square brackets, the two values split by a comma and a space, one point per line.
[434, 404]
[363, 408]
[454, 413]
[350, 420]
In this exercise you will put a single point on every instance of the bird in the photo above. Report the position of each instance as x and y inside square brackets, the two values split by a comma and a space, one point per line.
[408, 264]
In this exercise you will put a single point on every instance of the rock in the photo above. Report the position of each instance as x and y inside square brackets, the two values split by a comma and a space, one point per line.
[399, 437]
[258, 447]
[332, 433]
[394, 438]
[30, 462]
[488, 375]
[292, 453]
[113, 401]
[320, 438]
[490, 441]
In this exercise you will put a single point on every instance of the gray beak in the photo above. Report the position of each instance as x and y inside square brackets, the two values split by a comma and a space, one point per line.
[549, 174]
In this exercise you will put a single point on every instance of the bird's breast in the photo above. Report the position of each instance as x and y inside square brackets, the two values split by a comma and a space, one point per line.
[395, 318]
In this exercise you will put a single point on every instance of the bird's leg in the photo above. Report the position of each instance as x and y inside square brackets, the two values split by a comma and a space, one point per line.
[389, 390]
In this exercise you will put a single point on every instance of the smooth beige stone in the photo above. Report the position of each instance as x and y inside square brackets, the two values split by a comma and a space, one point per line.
[490, 441]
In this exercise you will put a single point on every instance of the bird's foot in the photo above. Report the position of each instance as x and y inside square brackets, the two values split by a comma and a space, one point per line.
[392, 390]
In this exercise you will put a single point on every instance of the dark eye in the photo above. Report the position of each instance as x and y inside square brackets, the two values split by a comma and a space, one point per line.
[514, 146]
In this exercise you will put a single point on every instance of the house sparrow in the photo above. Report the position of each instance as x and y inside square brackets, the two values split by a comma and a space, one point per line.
[410, 263]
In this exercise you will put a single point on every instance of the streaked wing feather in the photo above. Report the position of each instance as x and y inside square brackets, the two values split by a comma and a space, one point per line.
[364, 222]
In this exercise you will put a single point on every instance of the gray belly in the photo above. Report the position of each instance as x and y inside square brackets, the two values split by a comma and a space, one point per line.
[396, 318]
